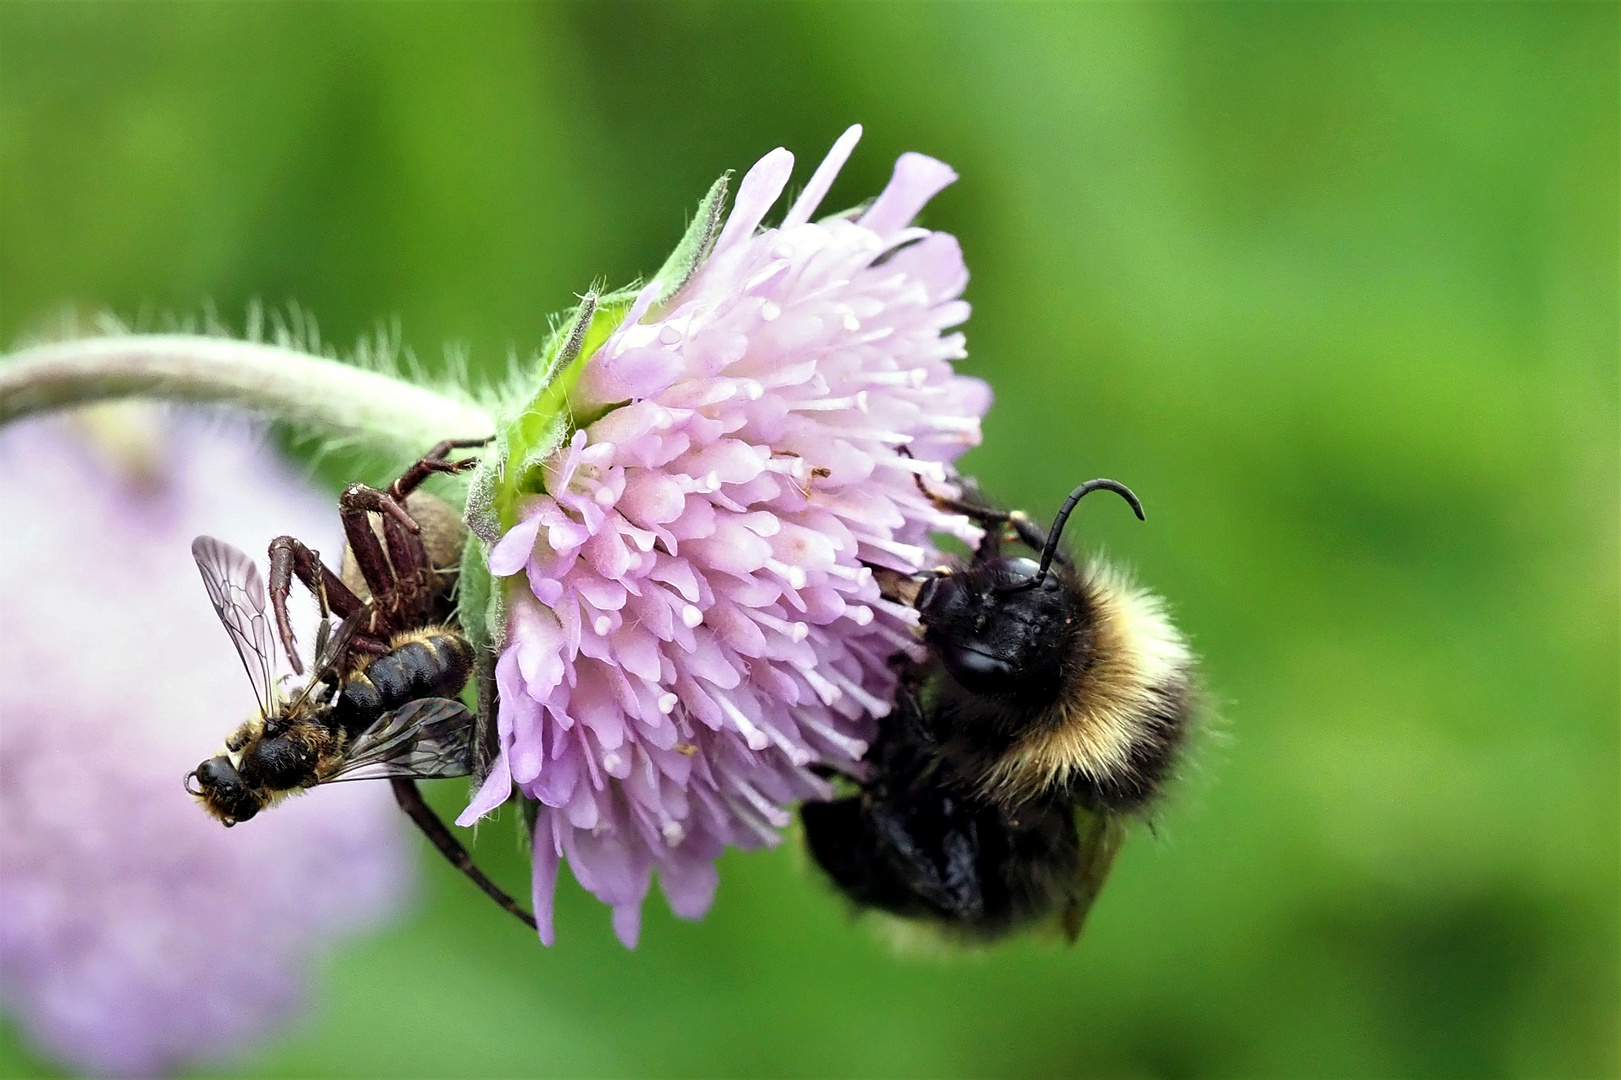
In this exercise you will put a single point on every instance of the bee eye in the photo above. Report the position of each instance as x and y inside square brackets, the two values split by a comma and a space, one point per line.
[938, 595]
[978, 671]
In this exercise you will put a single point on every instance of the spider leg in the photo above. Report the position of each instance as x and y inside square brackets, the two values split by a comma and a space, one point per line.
[973, 507]
[290, 557]
[411, 801]
[434, 461]
[381, 569]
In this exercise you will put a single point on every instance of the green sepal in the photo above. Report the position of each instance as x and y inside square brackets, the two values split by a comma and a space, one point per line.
[544, 418]
[476, 598]
[480, 514]
[694, 247]
[482, 616]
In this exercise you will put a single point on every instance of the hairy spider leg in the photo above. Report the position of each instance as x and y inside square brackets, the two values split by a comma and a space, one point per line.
[989, 517]
[409, 796]
[289, 557]
[401, 580]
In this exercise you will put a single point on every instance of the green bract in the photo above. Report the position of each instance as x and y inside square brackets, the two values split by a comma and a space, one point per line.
[539, 417]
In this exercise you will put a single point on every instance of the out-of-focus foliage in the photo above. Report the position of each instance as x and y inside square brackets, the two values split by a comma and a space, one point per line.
[1334, 287]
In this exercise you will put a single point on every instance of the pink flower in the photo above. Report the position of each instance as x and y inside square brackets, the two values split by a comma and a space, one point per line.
[701, 624]
[136, 935]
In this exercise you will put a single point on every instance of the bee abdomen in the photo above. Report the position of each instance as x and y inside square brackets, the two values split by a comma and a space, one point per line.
[432, 663]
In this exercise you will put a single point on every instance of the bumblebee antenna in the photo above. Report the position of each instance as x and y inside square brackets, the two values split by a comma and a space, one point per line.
[1050, 552]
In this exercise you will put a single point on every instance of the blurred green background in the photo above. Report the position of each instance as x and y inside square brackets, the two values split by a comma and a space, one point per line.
[1334, 287]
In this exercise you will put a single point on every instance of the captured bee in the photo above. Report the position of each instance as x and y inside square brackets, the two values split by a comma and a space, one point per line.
[1050, 708]
[381, 698]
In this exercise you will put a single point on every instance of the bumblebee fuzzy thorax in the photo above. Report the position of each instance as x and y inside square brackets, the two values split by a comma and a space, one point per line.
[1124, 709]
[1079, 686]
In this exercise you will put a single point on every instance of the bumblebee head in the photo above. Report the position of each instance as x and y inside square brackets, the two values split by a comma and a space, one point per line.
[999, 639]
[218, 785]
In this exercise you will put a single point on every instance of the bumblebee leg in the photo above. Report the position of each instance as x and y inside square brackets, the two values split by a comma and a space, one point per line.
[363, 643]
[1033, 536]
[290, 557]
[411, 801]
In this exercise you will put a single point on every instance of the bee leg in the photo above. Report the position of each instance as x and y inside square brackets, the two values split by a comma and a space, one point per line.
[371, 646]
[933, 848]
[1033, 536]
[290, 557]
[410, 799]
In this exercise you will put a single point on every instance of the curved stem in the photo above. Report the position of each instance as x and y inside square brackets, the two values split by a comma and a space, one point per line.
[325, 396]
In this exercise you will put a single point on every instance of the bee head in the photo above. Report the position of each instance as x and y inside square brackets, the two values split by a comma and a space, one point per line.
[1010, 628]
[220, 788]
[999, 641]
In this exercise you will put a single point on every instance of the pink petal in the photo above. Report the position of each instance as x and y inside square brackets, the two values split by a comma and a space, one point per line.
[631, 375]
[689, 887]
[512, 551]
[916, 180]
[759, 190]
[543, 880]
[496, 789]
[822, 179]
[627, 920]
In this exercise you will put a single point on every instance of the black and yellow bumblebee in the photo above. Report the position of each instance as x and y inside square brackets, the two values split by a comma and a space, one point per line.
[382, 697]
[1049, 711]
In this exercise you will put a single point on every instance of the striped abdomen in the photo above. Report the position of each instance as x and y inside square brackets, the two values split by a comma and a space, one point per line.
[421, 664]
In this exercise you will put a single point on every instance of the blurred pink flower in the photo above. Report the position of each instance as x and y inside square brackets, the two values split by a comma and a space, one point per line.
[701, 624]
[137, 935]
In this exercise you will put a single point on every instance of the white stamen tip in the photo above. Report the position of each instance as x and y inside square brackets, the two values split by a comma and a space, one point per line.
[794, 575]
[691, 616]
[769, 310]
[667, 703]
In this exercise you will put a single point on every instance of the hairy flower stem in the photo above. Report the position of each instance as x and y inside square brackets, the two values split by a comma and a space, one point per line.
[326, 397]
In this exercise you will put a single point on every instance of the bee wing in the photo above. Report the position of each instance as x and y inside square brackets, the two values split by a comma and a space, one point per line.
[238, 595]
[333, 652]
[1101, 836]
[426, 739]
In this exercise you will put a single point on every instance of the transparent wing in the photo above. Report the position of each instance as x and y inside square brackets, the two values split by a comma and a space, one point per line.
[238, 595]
[427, 739]
[1100, 836]
[332, 653]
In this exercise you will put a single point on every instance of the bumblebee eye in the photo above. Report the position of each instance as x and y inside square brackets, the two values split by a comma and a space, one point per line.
[978, 671]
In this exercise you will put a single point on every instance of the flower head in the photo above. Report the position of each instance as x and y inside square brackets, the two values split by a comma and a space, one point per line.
[136, 935]
[693, 621]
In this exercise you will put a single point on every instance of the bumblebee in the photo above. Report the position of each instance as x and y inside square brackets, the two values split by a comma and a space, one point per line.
[1049, 710]
[381, 698]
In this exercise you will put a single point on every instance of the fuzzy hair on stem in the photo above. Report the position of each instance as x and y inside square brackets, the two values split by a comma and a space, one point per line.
[325, 396]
